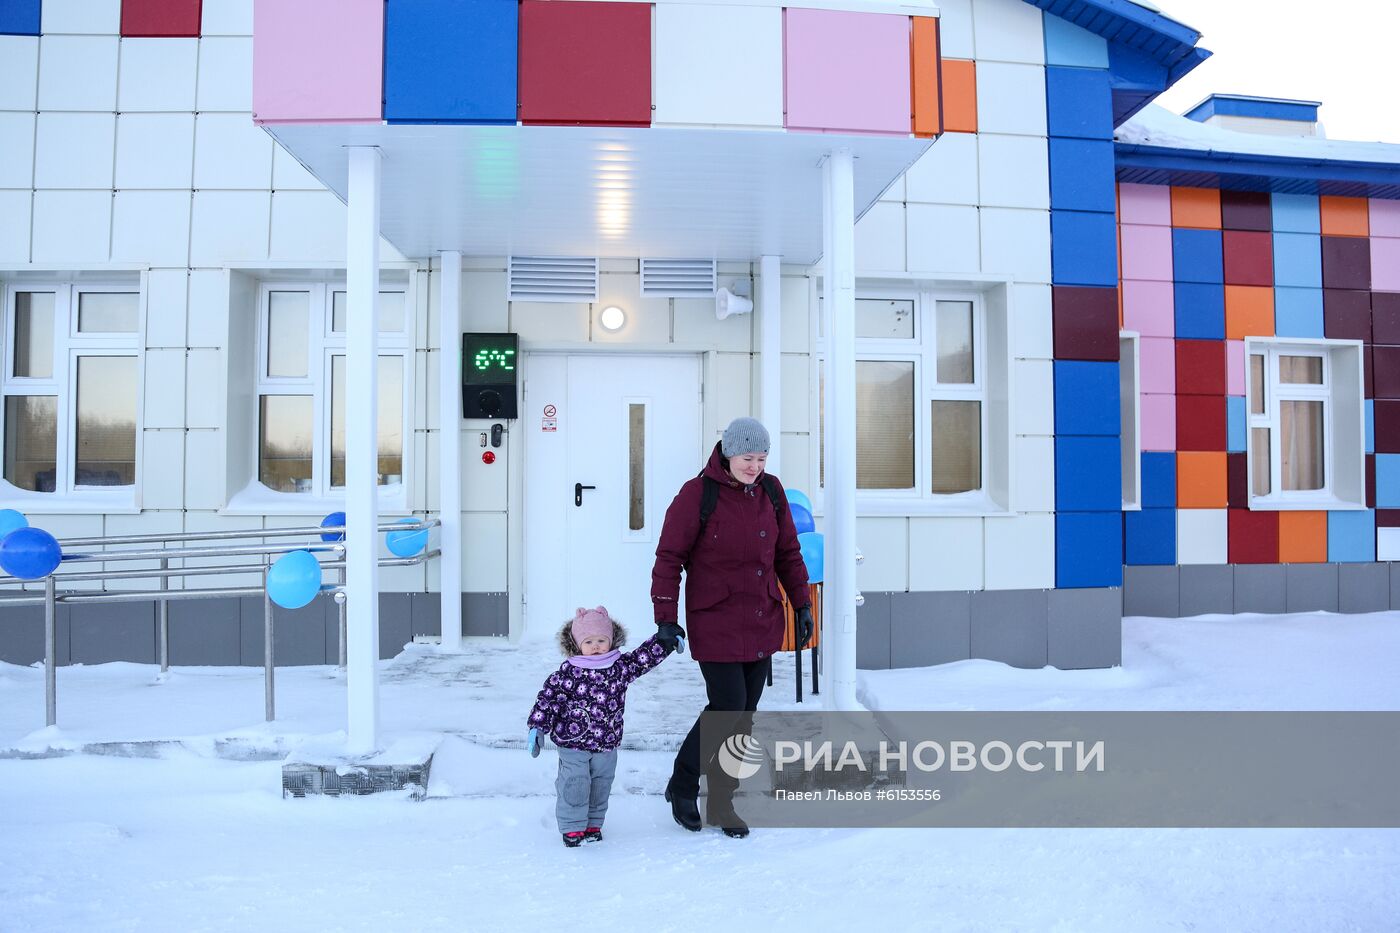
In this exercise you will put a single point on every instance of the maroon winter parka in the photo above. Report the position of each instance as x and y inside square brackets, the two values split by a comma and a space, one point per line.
[733, 608]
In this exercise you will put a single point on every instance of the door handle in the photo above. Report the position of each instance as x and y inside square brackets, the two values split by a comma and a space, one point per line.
[578, 492]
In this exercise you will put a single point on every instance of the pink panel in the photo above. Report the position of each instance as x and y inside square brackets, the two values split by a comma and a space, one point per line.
[1385, 264]
[1157, 365]
[1145, 204]
[318, 61]
[1234, 367]
[1147, 252]
[1158, 413]
[1149, 308]
[847, 72]
[1385, 217]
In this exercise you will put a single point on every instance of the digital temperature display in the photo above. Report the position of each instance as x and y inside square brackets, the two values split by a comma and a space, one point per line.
[489, 359]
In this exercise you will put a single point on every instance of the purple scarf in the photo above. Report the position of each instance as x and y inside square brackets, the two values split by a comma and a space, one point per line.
[596, 661]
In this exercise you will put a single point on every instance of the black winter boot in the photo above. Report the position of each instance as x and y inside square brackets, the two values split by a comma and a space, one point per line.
[686, 813]
[721, 814]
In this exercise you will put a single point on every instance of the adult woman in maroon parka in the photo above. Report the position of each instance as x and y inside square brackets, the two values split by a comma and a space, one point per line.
[732, 604]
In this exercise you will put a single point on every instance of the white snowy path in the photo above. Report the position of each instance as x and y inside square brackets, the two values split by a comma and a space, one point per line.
[190, 842]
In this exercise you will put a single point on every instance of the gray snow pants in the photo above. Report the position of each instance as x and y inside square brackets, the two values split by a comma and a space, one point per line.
[584, 782]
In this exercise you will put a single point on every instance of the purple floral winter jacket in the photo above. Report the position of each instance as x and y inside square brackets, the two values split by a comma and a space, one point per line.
[582, 708]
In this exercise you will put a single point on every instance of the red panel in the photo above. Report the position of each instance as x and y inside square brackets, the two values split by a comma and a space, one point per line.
[1346, 262]
[1200, 422]
[160, 18]
[1370, 481]
[1200, 367]
[585, 63]
[1253, 537]
[1237, 469]
[1385, 317]
[1386, 367]
[1388, 518]
[1246, 210]
[1346, 314]
[1249, 258]
[1086, 323]
[1387, 427]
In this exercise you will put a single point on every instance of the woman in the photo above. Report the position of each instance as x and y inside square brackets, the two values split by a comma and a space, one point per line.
[731, 531]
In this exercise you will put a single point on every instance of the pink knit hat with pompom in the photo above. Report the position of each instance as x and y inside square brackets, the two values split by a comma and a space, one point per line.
[590, 622]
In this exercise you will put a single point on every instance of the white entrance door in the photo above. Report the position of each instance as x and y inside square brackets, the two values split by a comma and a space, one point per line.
[609, 441]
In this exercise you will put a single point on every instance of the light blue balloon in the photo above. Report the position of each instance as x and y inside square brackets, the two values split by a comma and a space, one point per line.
[333, 520]
[798, 497]
[407, 543]
[802, 518]
[294, 580]
[29, 553]
[10, 520]
[813, 547]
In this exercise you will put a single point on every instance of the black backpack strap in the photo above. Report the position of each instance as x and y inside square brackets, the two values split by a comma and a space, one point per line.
[770, 486]
[709, 495]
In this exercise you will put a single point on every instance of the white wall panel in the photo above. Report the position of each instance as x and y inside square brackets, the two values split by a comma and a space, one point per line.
[204, 481]
[14, 231]
[209, 308]
[147, 522]
[955, 28]
[484, 305]
[19, 72]
[231, 152]
[693, 323]
[717, 65]
[227, 18]
[942, 238]
[549, 322]
[483, 552]
[102, 17]
[16, 150]
[1008, 31]
[796, 314]
[1035, 397]
[164, 388]
[895, 192]
[151, 227]
[74, 150]
[884, 541]
[308, 226]
[225, 75]
[1202, 536]
[1035, 474]
[425, 375]
[880, 239]
[1013, 171]
[1016, 242]
[946, 173]
[1010, 98]
[163, 470]
[1033, 322]
[157, 74]
[155, 150]
[945, 554]
[289, 175]
[423, 493]
[229, 226]
[167, 296]
[797, 394]
[72, 226]
[648, 319]
[1020, 552]
[208, 385]
[483, 485]
[797, 463]
[729, 393]
[1388, 544]
[78, 73]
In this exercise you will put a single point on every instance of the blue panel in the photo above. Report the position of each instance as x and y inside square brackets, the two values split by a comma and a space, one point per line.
[450, 61]
[1084, 248]
[1088, 475]
[1388, 481]
[1298, 260]
[1200, 311]
[19, 17]
[1297, 213]
[1158, 479]
[1370, 426]
[1351, 536]
[1081, 175]
[1078, 102]
[1068, 44]
[1149, 537]
[1298, 312]
[1086, 398]
[1237, 425]
[1089, 549]
[1197, 256]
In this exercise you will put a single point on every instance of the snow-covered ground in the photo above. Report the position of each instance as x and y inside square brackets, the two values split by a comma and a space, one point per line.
[190, 841]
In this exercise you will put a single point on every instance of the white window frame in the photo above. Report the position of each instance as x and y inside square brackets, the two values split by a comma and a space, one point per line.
[69, 345]
[1344, 428]
[1130, 435]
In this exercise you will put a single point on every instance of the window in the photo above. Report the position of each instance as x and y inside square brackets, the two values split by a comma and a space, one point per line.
[1130, 446]
[301, 385]
[71, 408]
[1306, 424]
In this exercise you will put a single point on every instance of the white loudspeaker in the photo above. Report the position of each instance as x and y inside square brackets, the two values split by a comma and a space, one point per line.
[727, 303]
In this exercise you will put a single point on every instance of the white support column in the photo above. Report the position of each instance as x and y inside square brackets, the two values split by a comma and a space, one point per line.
[770, 356]
[361, 449]
[450, 448]
[839, 593]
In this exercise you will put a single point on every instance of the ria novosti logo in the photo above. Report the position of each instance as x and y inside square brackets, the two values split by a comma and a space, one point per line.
[740, 756]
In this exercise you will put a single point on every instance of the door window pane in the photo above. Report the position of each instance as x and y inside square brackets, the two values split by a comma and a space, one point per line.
[108, 312]
[955, 342]
[106, 429]
[391, 312]
[31, 423]
[885, 317]
[884, 425]
[1300, 453]
[636, 466]
[390, 449]
[34, 335]
[957, 446]
[1300, 370]
[1260, 482]
[288, 317]
[1256, 384]
[284, 442]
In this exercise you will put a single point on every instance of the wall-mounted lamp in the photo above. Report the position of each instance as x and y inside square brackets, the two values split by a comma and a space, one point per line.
[612, 318]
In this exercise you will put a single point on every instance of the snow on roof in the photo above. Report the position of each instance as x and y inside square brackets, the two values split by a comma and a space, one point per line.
[1158, 127]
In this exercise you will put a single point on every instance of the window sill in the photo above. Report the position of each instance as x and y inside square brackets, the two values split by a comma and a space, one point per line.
[82, 502]
[257, 499]
[976, 506]
[1314, 504]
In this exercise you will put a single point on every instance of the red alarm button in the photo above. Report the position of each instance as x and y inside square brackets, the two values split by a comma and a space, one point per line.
[488, 457]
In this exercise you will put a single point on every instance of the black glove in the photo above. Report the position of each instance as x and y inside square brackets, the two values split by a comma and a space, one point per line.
[802, 627]
[671, 636]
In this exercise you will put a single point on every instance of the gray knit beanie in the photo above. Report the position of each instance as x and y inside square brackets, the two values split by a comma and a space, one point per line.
[744, 436]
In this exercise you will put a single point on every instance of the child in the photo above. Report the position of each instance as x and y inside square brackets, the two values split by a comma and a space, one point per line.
[581, 708]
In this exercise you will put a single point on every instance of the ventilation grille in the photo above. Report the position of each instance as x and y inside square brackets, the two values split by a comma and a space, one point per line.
[678, 278]
[538, 278]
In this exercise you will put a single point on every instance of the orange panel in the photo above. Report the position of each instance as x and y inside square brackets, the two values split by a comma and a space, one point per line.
[959, 95]
[1202, 480]
[1302, 537]
[1249, 311]
[928, 107]
[1196, 207]
[1345, 216]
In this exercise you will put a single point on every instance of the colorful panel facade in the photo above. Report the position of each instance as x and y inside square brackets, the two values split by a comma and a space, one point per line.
[847, 72]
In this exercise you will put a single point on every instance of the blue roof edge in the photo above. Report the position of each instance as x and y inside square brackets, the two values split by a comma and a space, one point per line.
[1238, 171]
[1241, 105]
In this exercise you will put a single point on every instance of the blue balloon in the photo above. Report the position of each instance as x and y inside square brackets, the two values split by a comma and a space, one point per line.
[802, 518]
[813, 547]
[10, 520]
[29, 553]
[798, 497]
[334, 520]
[407, 543]
[294, 580]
